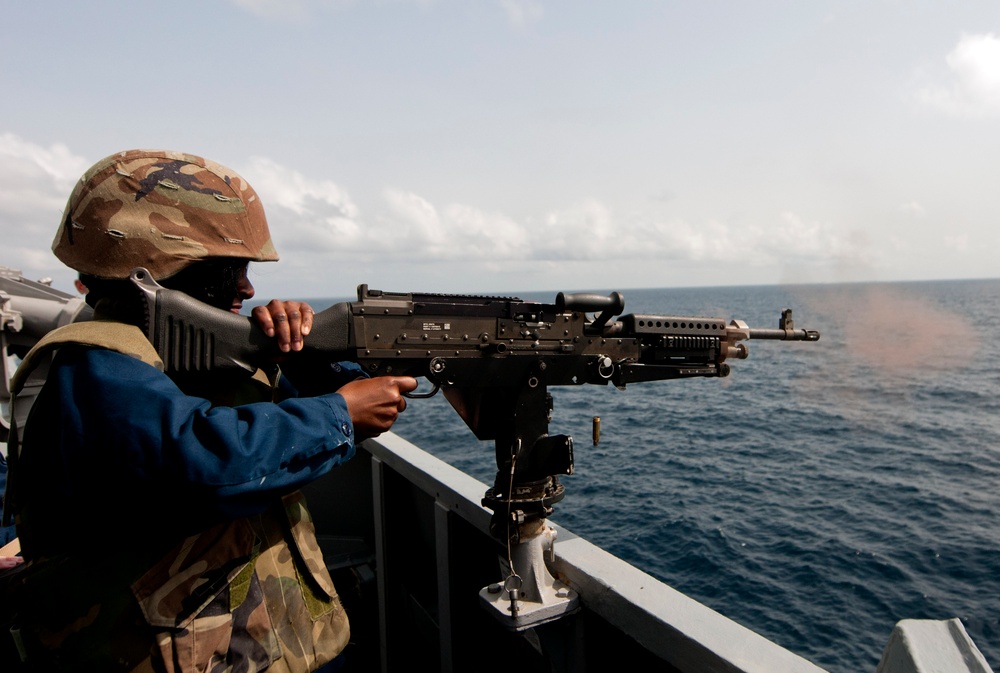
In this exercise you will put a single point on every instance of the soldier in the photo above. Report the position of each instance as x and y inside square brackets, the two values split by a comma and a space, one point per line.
[160, 517]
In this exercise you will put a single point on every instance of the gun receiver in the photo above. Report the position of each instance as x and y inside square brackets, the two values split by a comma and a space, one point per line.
[493, 357]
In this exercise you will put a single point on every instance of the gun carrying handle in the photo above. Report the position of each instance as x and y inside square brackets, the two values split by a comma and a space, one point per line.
[609, 306]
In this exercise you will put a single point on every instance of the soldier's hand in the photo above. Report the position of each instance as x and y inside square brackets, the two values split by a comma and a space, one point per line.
[375, 404]
[287, 321]
[8, 562]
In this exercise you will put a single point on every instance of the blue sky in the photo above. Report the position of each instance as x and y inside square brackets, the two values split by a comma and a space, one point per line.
[521, 145]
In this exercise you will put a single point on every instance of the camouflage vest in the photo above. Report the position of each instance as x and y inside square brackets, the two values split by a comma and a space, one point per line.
[251, 594]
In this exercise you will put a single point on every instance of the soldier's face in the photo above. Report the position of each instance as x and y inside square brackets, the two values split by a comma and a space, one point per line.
[222, 283]
[244, 290]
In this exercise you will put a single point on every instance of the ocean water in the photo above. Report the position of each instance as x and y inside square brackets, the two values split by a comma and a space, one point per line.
[821, 492]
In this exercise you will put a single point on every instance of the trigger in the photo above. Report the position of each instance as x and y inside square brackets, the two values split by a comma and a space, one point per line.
[422, 396]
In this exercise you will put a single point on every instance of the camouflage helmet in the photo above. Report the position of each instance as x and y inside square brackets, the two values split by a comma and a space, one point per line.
[161, 210]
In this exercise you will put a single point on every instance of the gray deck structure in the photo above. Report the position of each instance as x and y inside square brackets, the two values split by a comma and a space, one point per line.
[427, 533]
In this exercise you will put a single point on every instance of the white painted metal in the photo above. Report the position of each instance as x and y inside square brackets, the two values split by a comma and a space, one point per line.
[674, 627]
[931, 646]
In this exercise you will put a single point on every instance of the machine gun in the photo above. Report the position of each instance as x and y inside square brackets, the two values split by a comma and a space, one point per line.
[28, 311]
[494, 359]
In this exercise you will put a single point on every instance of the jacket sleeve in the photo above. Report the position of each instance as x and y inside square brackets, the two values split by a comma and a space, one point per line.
[238, 457]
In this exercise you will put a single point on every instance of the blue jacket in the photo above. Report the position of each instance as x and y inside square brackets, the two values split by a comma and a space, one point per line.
[111, 440]
[7, 533]
[147, 511]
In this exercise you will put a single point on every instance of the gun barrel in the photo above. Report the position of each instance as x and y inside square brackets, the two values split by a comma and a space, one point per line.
[784, 334]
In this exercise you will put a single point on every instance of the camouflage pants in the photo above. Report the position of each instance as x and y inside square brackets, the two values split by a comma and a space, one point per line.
[248, 595]
[278, 610]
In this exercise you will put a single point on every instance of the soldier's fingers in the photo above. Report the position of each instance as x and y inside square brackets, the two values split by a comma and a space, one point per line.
[295, 334]
[263, 318]
[405, 383]
[282, 328]
[307, 317]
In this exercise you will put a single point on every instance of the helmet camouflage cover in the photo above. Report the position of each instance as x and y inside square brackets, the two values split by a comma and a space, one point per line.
[161, 210]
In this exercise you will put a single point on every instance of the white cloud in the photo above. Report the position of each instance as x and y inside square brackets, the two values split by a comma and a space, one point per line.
[711, 241]
[454, 232]
[584, 231]
[414, 221]
[305, 214]
[290, 189]
[913, 209]
[319, 228]
[957, 242]
[285, 9]
[521, 13]
[975, 87]
[490, 235]
[792, 236]
[55, 161]
[35, 182]
[320, 217]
